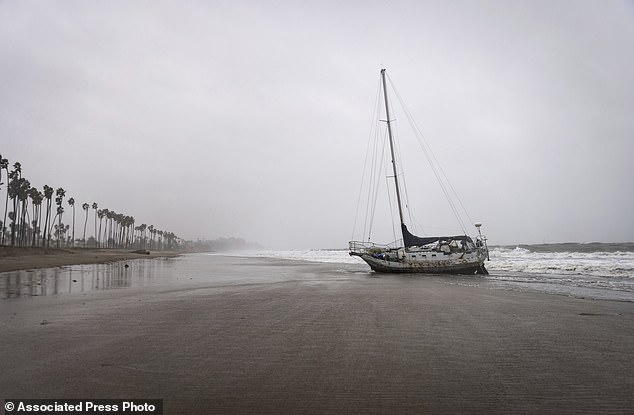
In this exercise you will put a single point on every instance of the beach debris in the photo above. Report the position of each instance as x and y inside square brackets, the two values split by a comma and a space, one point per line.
[44, 323]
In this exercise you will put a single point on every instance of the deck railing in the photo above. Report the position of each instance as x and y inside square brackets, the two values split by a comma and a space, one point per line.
[359, 247]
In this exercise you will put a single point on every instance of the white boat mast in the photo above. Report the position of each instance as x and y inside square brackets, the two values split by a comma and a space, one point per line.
[389, 132]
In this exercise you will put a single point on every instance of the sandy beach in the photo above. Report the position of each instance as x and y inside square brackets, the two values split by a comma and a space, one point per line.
[14, 259]
[246, 335]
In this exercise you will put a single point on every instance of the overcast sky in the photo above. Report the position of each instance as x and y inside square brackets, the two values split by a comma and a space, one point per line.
[251, 118]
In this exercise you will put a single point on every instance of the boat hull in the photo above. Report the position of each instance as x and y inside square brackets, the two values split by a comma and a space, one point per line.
[433, 263]
[379, 265]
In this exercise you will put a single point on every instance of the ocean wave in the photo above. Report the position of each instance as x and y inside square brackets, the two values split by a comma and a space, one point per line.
[601, 263]
[516, 259]
[560, 271]
[585, 247]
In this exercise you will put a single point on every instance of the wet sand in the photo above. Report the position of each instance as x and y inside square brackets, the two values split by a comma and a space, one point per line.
[14, 259]
[289, 337]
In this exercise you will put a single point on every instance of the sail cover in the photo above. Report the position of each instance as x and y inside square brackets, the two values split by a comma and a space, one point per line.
[410, 239]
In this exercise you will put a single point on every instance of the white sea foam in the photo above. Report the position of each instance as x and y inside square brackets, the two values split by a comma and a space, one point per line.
[568, 272]
[518, 259]
[602, 264]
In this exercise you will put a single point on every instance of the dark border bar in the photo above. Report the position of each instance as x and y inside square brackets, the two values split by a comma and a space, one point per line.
[83, 406]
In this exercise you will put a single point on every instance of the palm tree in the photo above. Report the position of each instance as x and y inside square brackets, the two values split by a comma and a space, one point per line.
[151, 229]
[109, 219]
[171, 240]
[120, 224]
[12, 191]
[160, 240]
[40, 198]
[135, 237]
[130, 226]
[24, 188]
[101, 214]
[142, 228]
[4, 164]
[17, 191]
[48, 194]
[71, 202]
[94, 206]
[114, 220]
[60, 193]
[59, 228]
[85, 206]
[120, 229]
[36, 202]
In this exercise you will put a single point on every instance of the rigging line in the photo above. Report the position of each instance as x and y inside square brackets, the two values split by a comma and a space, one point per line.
[377, 180]
[368, 205]
[423, 142]
[401, 173]
[377, 166]
[356, 216]
[418, 227]
[437, 163]
[433, 161]
[365, 163]
[397, 144]
[389, 198]
[431, 164]
[446, 181]
[372, 184]
[397, 169]
[400, 166]
[372, 170]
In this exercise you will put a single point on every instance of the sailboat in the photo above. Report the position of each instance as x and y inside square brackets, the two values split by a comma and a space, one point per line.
[459, 254]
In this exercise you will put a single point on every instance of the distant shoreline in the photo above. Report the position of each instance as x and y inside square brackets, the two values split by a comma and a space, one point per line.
[17, 259]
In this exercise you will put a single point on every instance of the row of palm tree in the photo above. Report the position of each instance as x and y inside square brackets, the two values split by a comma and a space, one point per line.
[29, 212]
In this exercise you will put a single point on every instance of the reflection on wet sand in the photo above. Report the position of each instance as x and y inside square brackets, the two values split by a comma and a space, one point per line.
[79, 278]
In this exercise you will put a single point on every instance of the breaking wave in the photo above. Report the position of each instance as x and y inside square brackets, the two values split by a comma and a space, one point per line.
[544, 259]
[596, 270]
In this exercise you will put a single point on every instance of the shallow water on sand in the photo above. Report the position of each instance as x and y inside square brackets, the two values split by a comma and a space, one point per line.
[77, 279]
[598, 271]
[219, 334]
[212, 270]
[180, 272]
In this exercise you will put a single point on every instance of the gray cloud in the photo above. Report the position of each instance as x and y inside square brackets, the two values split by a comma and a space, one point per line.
[251, 119]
